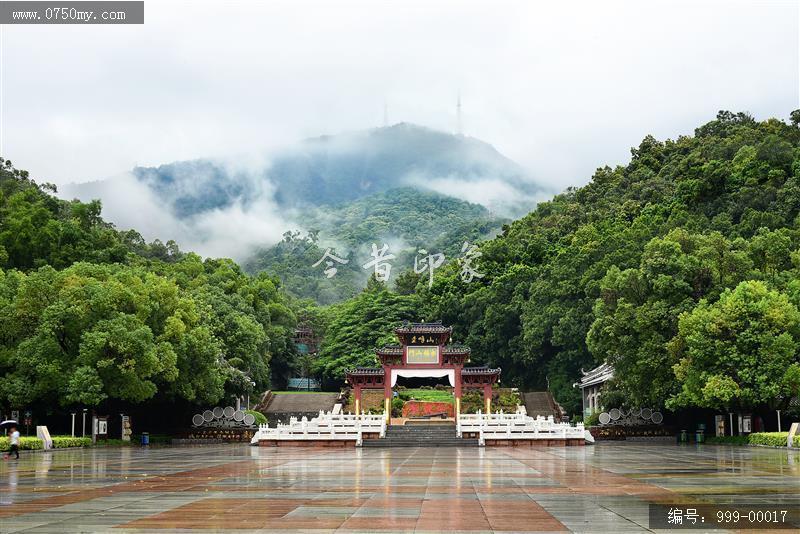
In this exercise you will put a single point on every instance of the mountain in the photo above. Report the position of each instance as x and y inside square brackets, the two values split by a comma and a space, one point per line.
[406, 184]
[330, 170]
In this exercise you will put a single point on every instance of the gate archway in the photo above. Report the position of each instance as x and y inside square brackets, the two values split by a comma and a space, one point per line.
[424, 350]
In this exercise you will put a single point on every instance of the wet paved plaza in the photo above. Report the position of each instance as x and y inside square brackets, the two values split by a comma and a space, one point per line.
[601, 488]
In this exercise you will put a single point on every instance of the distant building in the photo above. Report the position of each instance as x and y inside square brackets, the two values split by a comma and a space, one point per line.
[590, 383]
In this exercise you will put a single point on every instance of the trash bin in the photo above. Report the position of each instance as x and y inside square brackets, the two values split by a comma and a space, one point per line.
[145, 438]
[684, 436]
[700, 436]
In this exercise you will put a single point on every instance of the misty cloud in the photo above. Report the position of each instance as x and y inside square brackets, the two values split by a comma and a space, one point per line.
[232, 231]
[500, 197]
[560, 87]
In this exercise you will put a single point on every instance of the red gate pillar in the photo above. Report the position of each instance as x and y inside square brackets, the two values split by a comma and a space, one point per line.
[457, 391]
[387, 394]
[487, 397]
[357, 395]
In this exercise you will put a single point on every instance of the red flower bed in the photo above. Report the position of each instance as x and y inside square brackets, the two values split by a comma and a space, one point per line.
[421, 408]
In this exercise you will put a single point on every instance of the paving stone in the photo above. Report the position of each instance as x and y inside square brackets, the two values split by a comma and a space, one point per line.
[604, 488]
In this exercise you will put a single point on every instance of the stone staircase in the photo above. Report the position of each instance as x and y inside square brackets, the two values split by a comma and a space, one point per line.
[283, 406]
[541, 403]
[421, 435]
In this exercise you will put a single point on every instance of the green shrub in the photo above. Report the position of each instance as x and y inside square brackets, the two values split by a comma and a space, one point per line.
[592, 419]
[397, 406]
[261, 419]
[509, 401]
[770, 439]
[471, 402]
[25, 444]
[62, 442]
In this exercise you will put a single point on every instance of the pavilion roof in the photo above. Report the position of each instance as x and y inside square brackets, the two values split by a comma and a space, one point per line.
[598, 375]
[480, 371]
[423, 328]
[364, 371]
[448, 349]
[456, 349]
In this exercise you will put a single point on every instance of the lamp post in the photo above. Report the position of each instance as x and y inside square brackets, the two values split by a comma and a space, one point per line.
[779, 420]
[83, 424]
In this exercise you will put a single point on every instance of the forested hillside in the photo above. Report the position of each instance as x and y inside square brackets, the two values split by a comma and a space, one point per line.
[681, 268]
[604, 272]
[89, 314]
[407, 219]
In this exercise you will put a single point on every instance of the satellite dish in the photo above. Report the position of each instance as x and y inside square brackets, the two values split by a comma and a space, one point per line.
[604, 418]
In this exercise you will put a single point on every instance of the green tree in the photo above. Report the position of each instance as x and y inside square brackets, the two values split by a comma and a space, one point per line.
[739, 352]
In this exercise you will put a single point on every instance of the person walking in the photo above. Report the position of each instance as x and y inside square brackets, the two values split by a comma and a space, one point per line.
[13, 438]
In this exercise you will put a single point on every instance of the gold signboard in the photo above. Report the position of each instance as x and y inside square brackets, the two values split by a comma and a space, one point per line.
[419, 354]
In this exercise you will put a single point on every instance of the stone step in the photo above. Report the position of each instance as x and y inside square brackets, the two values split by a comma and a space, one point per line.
[421, 432]
[456, 442]
[422, 436]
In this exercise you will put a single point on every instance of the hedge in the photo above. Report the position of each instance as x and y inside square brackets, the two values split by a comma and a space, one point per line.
[770, 439]
[25, 444]
[59, 442]
[62, 442]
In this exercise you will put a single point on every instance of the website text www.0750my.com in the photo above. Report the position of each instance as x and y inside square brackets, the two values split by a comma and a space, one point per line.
[71, 12]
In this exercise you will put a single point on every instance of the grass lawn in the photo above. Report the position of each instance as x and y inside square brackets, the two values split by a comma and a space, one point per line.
[428, 395]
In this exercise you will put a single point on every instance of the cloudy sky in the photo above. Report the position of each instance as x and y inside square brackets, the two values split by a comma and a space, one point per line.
[560, 87]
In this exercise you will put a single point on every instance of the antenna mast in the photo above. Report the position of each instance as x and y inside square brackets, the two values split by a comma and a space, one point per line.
[460, 130]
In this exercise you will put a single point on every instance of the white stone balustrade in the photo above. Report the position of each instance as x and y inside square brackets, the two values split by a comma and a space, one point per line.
[501, 426]
[325, 427]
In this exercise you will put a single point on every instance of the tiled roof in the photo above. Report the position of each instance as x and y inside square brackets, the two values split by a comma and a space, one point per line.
[456, 349]
[390, 349]
[598, 375]
[365, 371]
[480, 371]
[433, 328]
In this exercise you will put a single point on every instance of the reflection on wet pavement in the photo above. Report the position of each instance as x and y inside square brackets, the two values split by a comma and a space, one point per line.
[606, 487]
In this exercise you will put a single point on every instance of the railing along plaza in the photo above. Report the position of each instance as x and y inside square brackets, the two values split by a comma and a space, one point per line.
[327, 426]
[517, 426]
